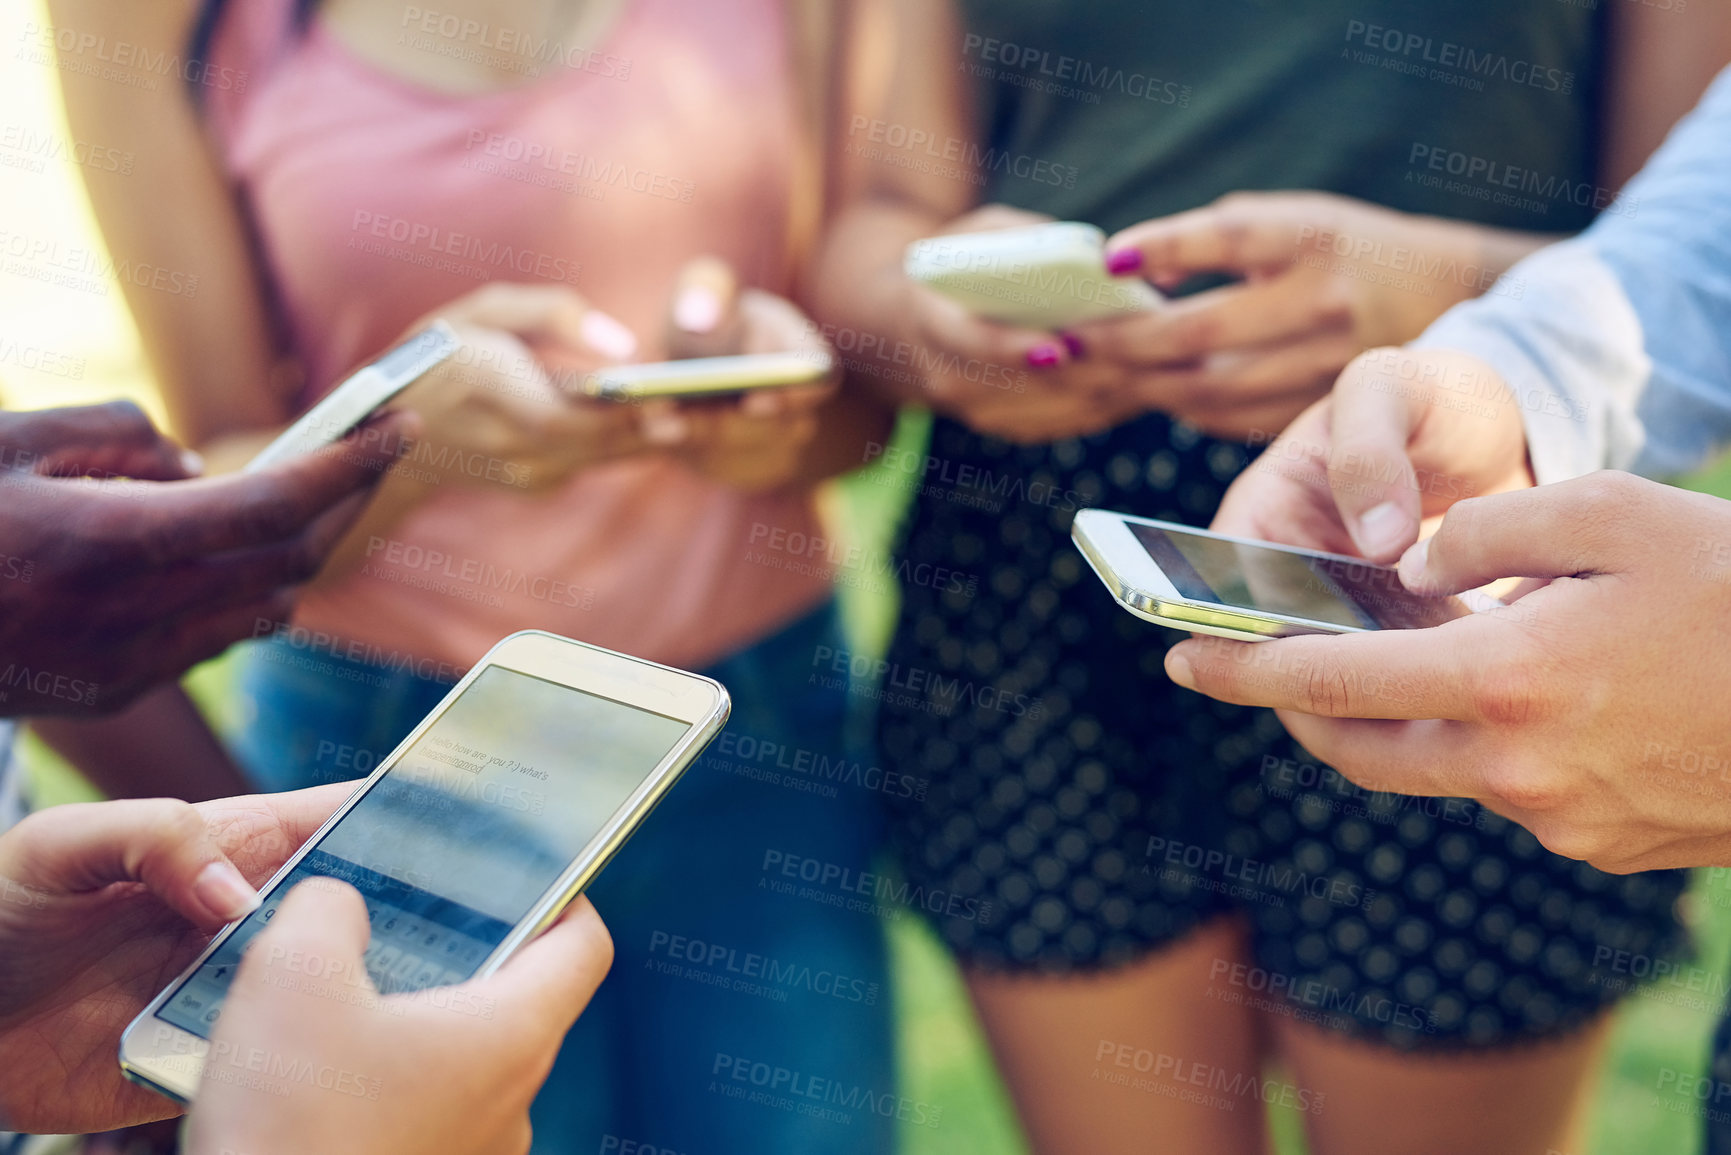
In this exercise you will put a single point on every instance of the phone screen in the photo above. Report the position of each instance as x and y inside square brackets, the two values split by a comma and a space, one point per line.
[1300, 585]
[457, 840]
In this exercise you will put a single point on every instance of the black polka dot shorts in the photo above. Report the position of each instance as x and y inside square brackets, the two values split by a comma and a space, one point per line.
[1080, 811]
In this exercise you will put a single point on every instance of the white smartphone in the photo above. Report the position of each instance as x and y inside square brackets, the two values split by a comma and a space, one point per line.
[359, 395]
[1042, 276]
[474, 834]
[700, 378]
[1209, 583]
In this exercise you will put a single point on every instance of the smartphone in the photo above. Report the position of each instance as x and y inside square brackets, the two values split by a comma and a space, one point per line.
[359, 395]
[1042, 276]
[1209, 583]
[474, 834]
[701, 378]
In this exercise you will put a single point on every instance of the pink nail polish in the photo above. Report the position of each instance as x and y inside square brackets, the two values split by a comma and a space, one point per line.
[1123, 261]
[1074, 344]
[1043, 356]
[697, 309]
[607, 336]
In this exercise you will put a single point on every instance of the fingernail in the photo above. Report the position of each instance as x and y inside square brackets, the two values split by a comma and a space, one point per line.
[1123, 261]
[221, 888]
[1044, 356]
[1383, 528]
[1412, 564]
[191, 463]
[607, 336]
[1178, 669]
[1074, 344]
[697, 309]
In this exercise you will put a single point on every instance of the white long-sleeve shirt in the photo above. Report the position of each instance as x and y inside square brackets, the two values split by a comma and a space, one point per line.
[1618, 345]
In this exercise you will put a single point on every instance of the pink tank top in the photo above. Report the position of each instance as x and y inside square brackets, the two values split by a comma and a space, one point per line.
[377, 200]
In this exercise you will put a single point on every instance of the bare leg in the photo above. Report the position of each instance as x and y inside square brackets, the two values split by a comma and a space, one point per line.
[1109, 1064]
[1524, 1100]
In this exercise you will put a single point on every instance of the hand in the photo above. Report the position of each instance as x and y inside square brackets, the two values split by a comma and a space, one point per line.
[758, 441]
[1403, 436]
[108, 587]
[1323, 277]
[1018, 384]
[507, 408]
[451, 1070]
[111, 440]
[101, 905]
[1591, 710]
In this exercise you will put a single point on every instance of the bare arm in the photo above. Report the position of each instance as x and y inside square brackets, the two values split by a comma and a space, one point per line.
[210, 349]
[906, 84]
[1661, 61]
[158, 747]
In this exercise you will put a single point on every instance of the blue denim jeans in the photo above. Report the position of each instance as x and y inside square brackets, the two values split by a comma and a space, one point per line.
[748, 1010]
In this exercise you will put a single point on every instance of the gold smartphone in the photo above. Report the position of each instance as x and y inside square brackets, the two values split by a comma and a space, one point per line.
[700, 378]
[360, 395]
[474, 834]
[1250, 591]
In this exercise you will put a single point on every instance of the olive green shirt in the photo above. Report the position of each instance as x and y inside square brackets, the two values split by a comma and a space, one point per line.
[1115, 112]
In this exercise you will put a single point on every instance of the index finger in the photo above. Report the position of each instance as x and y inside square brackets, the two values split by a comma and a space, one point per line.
[1394, 674]
[1371, 422]
[160, 842]
[1232, 235]
[191, 519]
[116, 439]
[1283, 495]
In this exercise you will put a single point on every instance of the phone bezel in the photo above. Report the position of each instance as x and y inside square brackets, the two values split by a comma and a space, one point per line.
[358, 396]
[1137, 581]
[173, 1065]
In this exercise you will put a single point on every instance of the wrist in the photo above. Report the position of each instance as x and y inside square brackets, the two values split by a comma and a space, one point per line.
[1452, 262]
[1483, 253]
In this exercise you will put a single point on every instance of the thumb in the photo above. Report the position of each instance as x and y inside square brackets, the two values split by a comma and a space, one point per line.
[1559, 530]
[319, 932]
[1371, 422]
[549, 982]
[160, 842]
[704, 314]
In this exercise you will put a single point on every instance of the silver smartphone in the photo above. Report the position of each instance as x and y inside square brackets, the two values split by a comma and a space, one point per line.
[1210, 583]
[701, 378]
[359, 395]
[474, 834]
[1043, 276]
